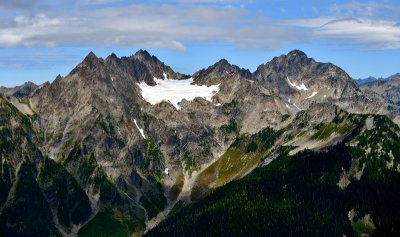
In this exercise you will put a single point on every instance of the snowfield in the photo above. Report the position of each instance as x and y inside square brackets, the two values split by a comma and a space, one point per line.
[301, 87]
[174, 91]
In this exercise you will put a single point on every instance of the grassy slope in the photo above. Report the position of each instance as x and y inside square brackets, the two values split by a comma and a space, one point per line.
[299, 196]
[109, 223]
[244, 154]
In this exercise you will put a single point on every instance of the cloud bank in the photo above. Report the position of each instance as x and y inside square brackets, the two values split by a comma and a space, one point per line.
[174, 24]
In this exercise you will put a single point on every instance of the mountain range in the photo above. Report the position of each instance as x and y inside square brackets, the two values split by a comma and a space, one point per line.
[129, 147]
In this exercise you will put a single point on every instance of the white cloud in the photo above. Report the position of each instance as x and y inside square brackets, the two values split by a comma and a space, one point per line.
[374, 34]
[366, 8]
[143, 26]
[171, 26]
[372, 25]
[29, 31]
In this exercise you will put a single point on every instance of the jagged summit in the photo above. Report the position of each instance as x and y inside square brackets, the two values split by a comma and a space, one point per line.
[91, 56]
[387, 90]
[20, 91]
[119, 151]
[112, 55]
[143, 55]
[91, 68]
[296, 53]
[222, 62]
[90, 61]
[140, 67]
[288, 73]
[292, 62]
[218, 72]
[154, 66]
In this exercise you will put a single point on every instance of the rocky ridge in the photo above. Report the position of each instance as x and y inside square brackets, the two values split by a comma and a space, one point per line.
[20, 92]
[136, 160]
[387, 91]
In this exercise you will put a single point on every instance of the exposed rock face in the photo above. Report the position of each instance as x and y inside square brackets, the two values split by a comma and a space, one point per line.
[155, 67]
[220, 71]
[99, 107]
[300, 81]
[362, 81]
[387, 91]
[20, 91]
[96, 115]
[295, 68]
[388, 88]
[134, 158]
[37, 196]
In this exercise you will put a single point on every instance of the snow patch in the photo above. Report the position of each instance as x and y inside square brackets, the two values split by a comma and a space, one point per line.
[287, 106]
[166, 171]
[301, 87]
[313, 94]
[140, 129]
[296, 106]
[174, 91]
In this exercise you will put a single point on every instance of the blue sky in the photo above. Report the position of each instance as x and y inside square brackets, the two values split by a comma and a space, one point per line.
[41, 39]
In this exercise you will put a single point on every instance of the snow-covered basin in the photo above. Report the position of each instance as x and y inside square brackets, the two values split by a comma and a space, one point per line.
[175, 91]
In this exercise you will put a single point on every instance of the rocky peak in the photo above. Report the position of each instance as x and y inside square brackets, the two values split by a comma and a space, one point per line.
[223, 62]
[291, 63]
[222, 66]
[395, 77]
[386, 88]
[297, 55]
[112, 60]
[91, 59]
[112, 56]
[143, 55]
[20, 91]
[295, 73]
[370, 79]
[218, 72]
[91, 68]
[58, 77]
[91, 55]
[154, 66]
[30, 84]
[90, 62]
